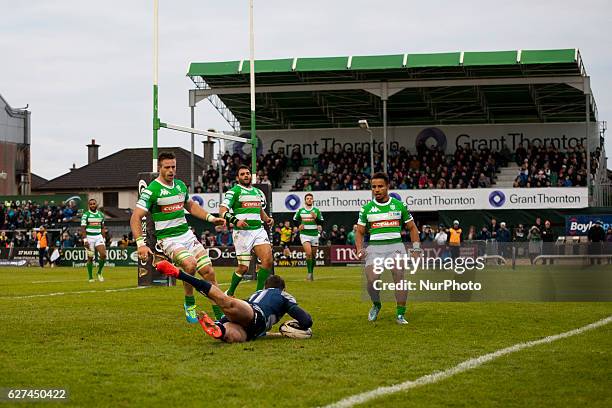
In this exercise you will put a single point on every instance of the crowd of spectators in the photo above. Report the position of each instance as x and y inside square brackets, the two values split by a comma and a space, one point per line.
[550, 167]
[467, 168]
[334, 235]
[271, 168]
[424, 169]
[18, 215]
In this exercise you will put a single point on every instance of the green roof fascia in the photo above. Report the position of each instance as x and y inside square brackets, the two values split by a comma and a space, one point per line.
[548, 56]
[321, 64]
[490, 58]
[377, 62]
[268, 66]
[213, 68]
[443, 59]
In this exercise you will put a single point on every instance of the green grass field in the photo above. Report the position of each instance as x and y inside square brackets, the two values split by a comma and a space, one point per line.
[134, 348]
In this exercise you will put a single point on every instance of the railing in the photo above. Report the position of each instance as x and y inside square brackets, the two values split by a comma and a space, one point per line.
[601, 195]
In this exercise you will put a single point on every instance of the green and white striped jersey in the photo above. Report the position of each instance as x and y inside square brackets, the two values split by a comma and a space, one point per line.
[309, 222]
[167, 207]
[92, 221]
[384, 221]
[246, 204]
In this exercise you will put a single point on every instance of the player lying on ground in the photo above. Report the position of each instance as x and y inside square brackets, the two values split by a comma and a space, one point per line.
[165, 199]
[243, 205]
[244, 320]
[308, 218]
[383, 218]
[92, 228]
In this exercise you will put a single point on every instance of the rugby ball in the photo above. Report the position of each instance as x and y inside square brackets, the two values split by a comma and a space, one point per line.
[291, 329]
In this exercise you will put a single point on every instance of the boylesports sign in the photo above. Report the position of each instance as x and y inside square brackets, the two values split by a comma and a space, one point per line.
[578, 225]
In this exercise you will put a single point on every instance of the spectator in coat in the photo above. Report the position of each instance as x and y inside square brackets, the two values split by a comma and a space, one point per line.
[597, 236]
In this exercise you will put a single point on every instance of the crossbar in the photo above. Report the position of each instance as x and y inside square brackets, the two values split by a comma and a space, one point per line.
[205, 133]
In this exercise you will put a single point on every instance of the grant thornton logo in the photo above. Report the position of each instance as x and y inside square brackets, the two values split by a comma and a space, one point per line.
[292, 202]
[497, 198]
[433, 138]
[198, 200]
[241, 148]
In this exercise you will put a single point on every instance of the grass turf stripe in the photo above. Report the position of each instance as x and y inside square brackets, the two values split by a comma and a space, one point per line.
[461, 367]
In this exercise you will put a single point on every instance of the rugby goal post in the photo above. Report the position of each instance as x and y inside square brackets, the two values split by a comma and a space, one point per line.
[147, 274]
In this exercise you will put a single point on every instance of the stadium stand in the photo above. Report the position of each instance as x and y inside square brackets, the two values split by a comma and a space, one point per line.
[271, 168]
[550, 167]
[426, 169]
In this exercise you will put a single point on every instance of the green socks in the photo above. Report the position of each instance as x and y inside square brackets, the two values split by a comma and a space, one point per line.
[100, 266]
[190, 300]
[90, 270]
[310, 263]
[401, 310]
[217, 311]
[235, 281]
[262, 275]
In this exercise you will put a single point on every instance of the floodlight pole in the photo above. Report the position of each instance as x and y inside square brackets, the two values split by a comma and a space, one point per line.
[371, 152]
[192, 155]
[384, 135]
[252, 82]
[155, 79]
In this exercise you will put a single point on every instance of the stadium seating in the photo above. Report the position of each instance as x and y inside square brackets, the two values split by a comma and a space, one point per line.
[466, 168]
[271, 169]
[426, 169]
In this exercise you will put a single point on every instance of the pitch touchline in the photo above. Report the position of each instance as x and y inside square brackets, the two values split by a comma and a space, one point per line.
[74, 293]
[461, 367]
[58, 281]
[103, 291]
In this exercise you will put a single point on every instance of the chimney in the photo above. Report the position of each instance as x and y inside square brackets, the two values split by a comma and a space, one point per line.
[208, 149]
[73, 168]
[92, 151]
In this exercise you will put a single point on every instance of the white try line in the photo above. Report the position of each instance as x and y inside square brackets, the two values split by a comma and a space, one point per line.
[461, 367]
[59, 281]
[73, 293]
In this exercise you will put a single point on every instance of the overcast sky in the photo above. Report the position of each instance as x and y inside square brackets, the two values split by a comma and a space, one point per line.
[85, 67]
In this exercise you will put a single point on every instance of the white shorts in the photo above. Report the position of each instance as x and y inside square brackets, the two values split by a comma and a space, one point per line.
[384, 251]
[94, 241]
[314, 241]
[186, 241]
[245, 240]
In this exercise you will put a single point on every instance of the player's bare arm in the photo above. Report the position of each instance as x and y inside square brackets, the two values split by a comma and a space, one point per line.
[267, 219]
[359, 235]
[198, 212]
[414, 237]
[135, 224]
[84, 234]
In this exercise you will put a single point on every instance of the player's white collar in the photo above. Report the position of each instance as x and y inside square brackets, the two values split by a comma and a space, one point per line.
[164, 184]
[385, 203]
[308, 209]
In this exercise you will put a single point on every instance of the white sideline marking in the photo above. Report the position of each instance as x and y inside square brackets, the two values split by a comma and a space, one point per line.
[59, 281]
[461, 367]
[107, 290]
[73, 293]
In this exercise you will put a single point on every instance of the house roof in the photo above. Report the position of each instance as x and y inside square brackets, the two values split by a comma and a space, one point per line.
[37, 181]
[120, 170]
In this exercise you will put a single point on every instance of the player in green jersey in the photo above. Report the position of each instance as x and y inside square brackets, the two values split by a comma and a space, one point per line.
[383, 219]
[165, 199]
[307, 219]
[243, 206]
[92, 225]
